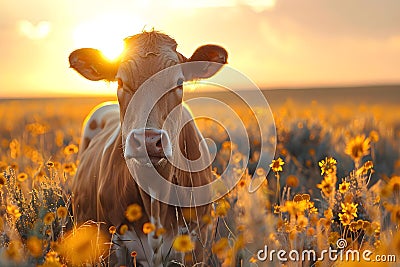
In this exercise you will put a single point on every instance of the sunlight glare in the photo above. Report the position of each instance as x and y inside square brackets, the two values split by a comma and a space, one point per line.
[106, 33]
[34, 31]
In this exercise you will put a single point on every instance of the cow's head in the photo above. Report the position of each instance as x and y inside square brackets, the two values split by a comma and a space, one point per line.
[146, 54]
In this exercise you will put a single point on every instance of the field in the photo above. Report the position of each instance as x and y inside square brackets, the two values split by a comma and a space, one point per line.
[335, 178]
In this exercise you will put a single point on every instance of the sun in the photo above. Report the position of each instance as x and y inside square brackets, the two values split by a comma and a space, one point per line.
[106, 33]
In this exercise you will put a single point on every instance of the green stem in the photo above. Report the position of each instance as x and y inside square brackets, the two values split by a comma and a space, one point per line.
[278, 188]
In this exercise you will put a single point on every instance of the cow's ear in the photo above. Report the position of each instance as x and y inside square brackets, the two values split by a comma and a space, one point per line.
[92, 65]
[204, 55]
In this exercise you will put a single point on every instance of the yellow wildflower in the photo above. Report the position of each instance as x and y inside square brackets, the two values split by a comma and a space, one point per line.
[392, 187]
[327, 186]
[349, 208]
[62, 212]
[36, 128]
[253, 260]
[160, 231]
[70, 149]
[133, 212]
[69, 168]
[123, 229]
[365, 168]
[359, 224]
[302, 222]
[182, 243]
[148, 228]
[49, 218]
[368, 165]
[345, 218]
[328, 166]
[242, 183]
[22, 177]
[343, 187]
[366, 225]
[82, 245]
[260, 172]
[14, 211]
[277, 164]
[52, 260]
[112, 229]
[277, 209]
[15, 148]
[222, 208]
[376, 226]
[50, 164]
[292, 181]
[358, 147]
[291, 207]
[301, 197]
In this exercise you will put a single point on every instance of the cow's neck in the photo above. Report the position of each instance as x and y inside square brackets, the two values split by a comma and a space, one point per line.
[119, 182]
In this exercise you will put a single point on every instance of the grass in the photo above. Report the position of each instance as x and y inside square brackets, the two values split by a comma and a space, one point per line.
[339, 180]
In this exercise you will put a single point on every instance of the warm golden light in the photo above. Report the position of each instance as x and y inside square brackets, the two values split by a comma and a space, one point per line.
[106, 33]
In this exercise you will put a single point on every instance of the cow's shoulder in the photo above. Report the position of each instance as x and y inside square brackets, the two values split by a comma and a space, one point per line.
[105, 115]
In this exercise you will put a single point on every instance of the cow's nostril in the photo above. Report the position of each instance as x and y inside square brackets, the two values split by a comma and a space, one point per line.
[158, 144]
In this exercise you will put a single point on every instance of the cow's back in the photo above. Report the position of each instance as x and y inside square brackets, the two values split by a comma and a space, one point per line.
[100, 129]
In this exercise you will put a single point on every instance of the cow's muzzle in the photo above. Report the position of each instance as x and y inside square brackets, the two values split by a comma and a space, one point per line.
[146, 145]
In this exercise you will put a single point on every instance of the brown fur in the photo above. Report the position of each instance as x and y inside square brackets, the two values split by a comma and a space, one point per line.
[103, 186]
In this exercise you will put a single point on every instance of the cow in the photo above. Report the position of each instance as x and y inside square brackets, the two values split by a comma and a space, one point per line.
[104, 187]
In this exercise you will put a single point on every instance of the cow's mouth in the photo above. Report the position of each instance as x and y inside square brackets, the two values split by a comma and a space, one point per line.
[151, 161]
[156, 160]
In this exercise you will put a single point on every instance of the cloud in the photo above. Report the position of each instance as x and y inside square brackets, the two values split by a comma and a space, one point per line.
[34, 31]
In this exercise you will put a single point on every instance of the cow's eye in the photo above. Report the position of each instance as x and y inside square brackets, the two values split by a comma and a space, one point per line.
[179, 83]
[120, 83]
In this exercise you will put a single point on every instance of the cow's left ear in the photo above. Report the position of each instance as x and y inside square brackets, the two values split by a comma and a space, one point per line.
[204, 55]
[92, 65]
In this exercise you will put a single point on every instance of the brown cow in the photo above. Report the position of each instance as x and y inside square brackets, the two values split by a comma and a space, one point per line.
[104, 187]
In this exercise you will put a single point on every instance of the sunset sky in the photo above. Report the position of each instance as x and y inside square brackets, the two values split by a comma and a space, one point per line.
[277, 43]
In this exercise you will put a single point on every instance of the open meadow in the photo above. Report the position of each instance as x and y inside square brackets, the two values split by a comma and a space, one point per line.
[334, 180]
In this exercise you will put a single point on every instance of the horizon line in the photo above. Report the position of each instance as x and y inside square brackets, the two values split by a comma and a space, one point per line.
[277, 88]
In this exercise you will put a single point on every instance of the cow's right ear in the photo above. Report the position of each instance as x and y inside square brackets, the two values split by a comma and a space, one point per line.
[92, 65]
[204, 56]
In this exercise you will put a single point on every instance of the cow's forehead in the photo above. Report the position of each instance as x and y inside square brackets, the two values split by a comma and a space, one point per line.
[135, 72]
[149, 44]
[150, 41]
[146, 54]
